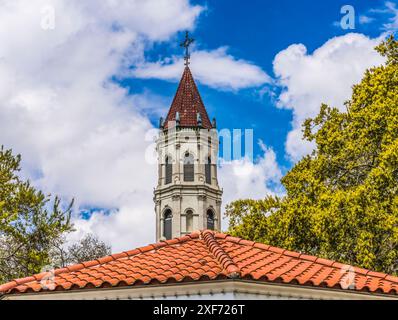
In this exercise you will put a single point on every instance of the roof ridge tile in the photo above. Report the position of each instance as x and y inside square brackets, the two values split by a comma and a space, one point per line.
[89, 264]
[24, 280]
[75, 267]
[276, 250]
[105, 259]
[117, 256]
[146, 248]
[132, 252]
[325, 262]
[233, 271]
[247, 242]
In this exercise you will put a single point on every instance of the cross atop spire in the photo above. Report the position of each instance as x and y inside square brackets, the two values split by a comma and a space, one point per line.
[186, 43]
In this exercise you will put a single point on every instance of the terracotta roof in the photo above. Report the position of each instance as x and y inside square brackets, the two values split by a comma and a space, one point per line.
[205, 256]
[188, 103]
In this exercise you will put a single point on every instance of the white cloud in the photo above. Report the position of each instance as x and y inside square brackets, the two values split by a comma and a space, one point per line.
[215, 68]
[80, 134]
[245, 179]
[325, 76]
[363, 19]
[387, 12]
[130, 226]
[392, 9]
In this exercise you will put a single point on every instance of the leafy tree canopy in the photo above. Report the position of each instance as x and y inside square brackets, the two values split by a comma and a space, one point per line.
[341, 201]
[29, 222]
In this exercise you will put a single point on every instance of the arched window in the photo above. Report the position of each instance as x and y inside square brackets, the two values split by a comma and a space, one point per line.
[167, 223]
[210, 219]
[169, 170]
[189, 173]
[189, 217]
[208, 170]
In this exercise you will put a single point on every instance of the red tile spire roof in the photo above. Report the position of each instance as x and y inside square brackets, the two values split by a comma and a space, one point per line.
[208, 256]
[188, 104]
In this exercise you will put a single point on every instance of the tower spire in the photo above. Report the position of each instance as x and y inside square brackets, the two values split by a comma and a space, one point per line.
[187, 108]
[187, 196]
[187, 104]
[185, 44]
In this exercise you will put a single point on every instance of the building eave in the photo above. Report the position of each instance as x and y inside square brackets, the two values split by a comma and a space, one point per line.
[229, 289]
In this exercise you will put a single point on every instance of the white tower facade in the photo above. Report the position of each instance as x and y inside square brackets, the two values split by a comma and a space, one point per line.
[187, 196]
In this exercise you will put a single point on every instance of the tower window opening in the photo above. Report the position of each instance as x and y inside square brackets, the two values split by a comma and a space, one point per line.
[189, 173]
[210, 220]
[169, 170]
[208, 170]
[189, 218]
[167, 224]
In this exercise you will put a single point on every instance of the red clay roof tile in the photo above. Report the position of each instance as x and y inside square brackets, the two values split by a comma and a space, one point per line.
[90, 263]
[262, 246]
[206, 256]
[308, 273]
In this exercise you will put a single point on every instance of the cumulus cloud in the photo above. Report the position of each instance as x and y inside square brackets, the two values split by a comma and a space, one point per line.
[324, 76]
[248, 179]
[245, 179]
[80, 134]
[214, 68]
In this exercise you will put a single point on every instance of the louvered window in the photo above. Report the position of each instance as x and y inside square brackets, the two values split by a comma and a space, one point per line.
[189, 173]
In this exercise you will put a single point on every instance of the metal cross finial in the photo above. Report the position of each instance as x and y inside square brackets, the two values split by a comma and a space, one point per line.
[186, 43]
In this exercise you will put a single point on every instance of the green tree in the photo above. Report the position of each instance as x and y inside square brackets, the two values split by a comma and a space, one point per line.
[341, 201]
[30, 222]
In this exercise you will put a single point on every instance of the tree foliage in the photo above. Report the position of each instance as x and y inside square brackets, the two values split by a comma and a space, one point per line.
[341, 201]
[30, 222]
[87, 249]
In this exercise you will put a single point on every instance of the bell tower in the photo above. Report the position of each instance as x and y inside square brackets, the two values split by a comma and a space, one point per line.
[187, 196]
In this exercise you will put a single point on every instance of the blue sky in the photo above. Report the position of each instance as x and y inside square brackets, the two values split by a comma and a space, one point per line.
[257, 33]
[83, 84]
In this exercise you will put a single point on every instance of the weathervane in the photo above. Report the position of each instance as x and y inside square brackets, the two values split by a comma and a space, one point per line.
[186, 43]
